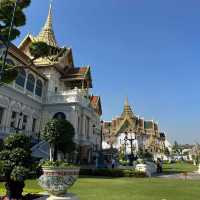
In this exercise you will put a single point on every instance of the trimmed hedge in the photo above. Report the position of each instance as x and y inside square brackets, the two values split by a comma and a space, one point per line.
[112, 173]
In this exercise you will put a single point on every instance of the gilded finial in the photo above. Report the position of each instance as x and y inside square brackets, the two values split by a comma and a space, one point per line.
[47, 34]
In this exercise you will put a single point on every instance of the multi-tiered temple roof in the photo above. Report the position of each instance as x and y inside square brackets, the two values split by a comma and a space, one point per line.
[62, 60]
[128, 121]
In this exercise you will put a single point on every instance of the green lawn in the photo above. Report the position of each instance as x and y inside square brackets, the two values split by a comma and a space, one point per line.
[129, 188]
[178, 168]
[132, 188]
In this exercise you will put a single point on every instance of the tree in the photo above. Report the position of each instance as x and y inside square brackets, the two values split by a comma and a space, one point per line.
[196, 153]
[176, 148]
[15, 163]
[59, 133]
[6, 13]
[167, 152]
[10, 31]
[37, 49]
[122, 155]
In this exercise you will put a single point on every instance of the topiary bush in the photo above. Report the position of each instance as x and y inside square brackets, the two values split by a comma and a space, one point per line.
[59, 133]
[15, 163]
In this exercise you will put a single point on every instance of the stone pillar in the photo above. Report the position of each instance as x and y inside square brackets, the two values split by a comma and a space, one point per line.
[8, 117]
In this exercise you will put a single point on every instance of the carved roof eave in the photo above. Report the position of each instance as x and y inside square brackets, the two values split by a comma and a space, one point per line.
[70, 52]
[45, 61]
[100, 106]
[28, 36]
[82, 77]
[15, 52]
[97, 105]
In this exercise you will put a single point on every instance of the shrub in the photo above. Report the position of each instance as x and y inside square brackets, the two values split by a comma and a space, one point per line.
[133, 173]
[112, 173]
[57, 164]
[15, 163]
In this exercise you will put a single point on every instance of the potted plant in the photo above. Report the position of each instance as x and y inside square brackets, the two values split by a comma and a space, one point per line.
[15, 163]
[58, 176]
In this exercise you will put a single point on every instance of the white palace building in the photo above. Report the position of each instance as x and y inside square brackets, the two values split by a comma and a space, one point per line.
[50, 87]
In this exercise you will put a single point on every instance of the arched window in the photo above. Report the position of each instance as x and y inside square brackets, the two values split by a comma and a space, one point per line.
[38, 89]
[59, 115]
[21, 77]
[30, 83]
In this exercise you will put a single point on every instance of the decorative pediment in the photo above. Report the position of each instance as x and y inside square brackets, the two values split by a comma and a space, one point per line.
[126, 125]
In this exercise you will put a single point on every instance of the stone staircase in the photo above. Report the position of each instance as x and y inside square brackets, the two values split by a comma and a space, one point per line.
[41, 150]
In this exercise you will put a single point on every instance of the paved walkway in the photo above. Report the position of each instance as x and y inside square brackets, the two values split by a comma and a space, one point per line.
[189, 176]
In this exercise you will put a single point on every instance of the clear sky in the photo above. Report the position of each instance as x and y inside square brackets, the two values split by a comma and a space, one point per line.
[148, 50]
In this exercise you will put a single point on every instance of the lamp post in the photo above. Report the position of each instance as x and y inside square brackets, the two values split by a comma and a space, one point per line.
[125, 143]
[131, 140]
[17, 129]
[8, 39]
[100, 156]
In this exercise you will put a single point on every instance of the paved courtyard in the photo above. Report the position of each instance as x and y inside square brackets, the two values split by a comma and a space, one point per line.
[189, 176]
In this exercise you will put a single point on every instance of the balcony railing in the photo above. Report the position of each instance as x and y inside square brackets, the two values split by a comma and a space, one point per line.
[5, 131]
[71, 96]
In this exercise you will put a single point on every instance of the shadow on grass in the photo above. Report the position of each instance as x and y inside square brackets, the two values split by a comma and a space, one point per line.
[29, 196]
[173, 172]
[98, 177]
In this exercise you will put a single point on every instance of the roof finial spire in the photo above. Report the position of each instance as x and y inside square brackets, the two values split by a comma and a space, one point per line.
[126, 101]
[127, 109]
[47, 34]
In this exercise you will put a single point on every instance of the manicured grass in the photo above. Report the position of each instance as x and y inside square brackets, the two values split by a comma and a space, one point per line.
[178, 168]
[132, 188]
[129, 188]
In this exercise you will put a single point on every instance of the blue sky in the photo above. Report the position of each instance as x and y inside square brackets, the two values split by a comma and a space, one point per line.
[146, 50]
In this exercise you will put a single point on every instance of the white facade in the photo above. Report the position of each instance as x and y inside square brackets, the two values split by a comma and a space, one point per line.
[41, 93]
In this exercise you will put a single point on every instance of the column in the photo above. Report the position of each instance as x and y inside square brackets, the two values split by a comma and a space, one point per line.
[8, 117]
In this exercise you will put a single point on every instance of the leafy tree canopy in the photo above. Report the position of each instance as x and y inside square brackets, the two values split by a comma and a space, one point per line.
[6, 12]
[39, 49]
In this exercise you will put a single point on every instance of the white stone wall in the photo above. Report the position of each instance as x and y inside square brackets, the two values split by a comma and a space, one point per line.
[12, 100]
[53, 80]
[73, 112]
[77, 110]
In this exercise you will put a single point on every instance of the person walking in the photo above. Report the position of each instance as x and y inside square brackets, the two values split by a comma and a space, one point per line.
[113, 163]
[158, 165]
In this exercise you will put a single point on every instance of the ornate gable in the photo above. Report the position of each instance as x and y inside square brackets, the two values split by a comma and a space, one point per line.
[95, 102]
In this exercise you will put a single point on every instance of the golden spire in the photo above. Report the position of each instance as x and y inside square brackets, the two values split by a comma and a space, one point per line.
[127, 109]
[47, 34]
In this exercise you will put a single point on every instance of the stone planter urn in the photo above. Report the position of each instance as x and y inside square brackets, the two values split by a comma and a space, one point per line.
[56, 181]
